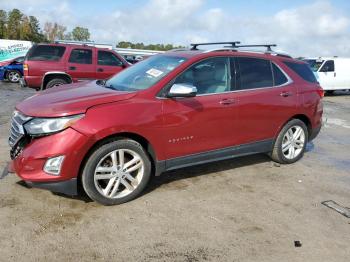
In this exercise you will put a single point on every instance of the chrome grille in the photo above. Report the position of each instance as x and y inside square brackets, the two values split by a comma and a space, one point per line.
[17, 130]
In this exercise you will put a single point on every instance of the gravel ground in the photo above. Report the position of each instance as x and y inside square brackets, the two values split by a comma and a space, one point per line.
[246, 209]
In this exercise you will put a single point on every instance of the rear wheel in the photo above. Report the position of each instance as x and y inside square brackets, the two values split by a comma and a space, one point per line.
[13, 76]
[116, 172]
[56, 82]
[291, 142]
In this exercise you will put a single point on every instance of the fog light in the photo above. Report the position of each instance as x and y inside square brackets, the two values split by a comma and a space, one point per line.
[53, 165]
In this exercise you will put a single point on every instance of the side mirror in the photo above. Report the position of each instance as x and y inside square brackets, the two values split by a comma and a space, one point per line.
[182, 90]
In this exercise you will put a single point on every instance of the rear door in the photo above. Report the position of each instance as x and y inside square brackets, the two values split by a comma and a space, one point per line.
[327, 75]
[265, 99]
[108, 64]
[80, 64]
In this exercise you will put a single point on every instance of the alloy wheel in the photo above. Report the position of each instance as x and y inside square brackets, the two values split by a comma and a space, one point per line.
[14, 76]
[293, 142]
[118, 173]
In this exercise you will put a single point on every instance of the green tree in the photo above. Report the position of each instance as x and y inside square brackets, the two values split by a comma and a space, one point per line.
[80, 34]
[25, 32]
[36, 34]
[14, 24]
[3, 24]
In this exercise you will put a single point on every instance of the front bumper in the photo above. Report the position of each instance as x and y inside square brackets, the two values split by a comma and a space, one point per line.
[29, 164]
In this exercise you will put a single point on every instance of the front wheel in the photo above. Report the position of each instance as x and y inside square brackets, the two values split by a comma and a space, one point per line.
[116, 172]
[14, 76]
[291, 142]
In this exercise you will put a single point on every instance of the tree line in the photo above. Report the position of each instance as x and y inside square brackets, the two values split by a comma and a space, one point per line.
[158, 47]
[18, 26]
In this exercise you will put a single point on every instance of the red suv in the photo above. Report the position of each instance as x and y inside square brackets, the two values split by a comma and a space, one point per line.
[48, 65]
[172, 110]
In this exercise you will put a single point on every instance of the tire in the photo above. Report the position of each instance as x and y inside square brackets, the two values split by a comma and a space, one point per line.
[105, 181]
[282, 151]
[13, 76]
[55, 82]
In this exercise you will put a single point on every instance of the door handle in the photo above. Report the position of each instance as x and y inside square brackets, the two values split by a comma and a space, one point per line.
[227, 101]
[99, 69]
[286, 94]
[72, 68]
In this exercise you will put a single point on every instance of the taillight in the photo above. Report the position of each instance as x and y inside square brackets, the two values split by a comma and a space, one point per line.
[25, 67]
[320, 92]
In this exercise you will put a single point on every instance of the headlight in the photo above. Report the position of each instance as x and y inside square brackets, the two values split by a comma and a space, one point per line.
[42, 126]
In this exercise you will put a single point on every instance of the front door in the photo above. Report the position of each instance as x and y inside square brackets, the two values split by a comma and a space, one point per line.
[108, 64]
[327, 75]
[205, 122]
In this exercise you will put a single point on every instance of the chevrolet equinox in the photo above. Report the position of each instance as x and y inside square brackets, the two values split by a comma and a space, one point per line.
[173, 110]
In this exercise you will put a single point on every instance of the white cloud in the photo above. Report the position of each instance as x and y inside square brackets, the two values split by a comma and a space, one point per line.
[308, 30]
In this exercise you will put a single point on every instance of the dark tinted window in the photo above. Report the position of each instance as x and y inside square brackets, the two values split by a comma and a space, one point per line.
[208, 76]
[45, 53]
[278, 77]
[254, 73]
[328, 66]
[81, 56]
[108, 58]
[303, 70]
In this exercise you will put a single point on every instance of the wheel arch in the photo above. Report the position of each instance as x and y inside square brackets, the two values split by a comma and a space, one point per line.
[117, 136]
[48, 76]
[301, 117]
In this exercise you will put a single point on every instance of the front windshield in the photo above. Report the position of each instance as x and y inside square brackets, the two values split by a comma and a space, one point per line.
[314, 64]
[144, 74]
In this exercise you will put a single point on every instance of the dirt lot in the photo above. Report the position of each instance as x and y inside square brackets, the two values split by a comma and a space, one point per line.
[247, 209]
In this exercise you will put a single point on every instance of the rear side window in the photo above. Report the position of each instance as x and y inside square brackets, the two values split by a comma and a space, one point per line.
[278, 77]
[45, 53]
[303, 70]
[254, 73]
[108, 59]
[328, 66]
[81, 56]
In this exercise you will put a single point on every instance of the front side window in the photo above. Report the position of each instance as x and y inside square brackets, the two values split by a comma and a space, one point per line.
[45, 53]
[106, 58]
[208, 76]
[328, 66]
[81, 56]
[144, 74]
[253, 73]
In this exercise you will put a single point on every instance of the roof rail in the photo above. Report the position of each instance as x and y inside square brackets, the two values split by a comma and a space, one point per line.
[268, 46]
[84, 43]
[233, 44]
[74, 42]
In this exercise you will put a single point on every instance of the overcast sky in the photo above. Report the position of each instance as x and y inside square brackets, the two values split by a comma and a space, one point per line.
[302, 28]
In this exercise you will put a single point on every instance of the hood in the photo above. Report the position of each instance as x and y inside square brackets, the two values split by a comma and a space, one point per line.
[70, 99]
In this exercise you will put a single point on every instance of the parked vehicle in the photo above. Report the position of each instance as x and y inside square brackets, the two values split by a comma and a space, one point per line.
[12, 70]
[48, 65]
[332, 72]
[172, 110]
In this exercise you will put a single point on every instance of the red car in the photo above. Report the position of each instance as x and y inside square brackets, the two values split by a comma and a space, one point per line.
[172, 110]
[48, 65]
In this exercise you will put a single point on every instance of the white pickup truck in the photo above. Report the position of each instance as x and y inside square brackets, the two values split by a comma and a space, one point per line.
[333, 73]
